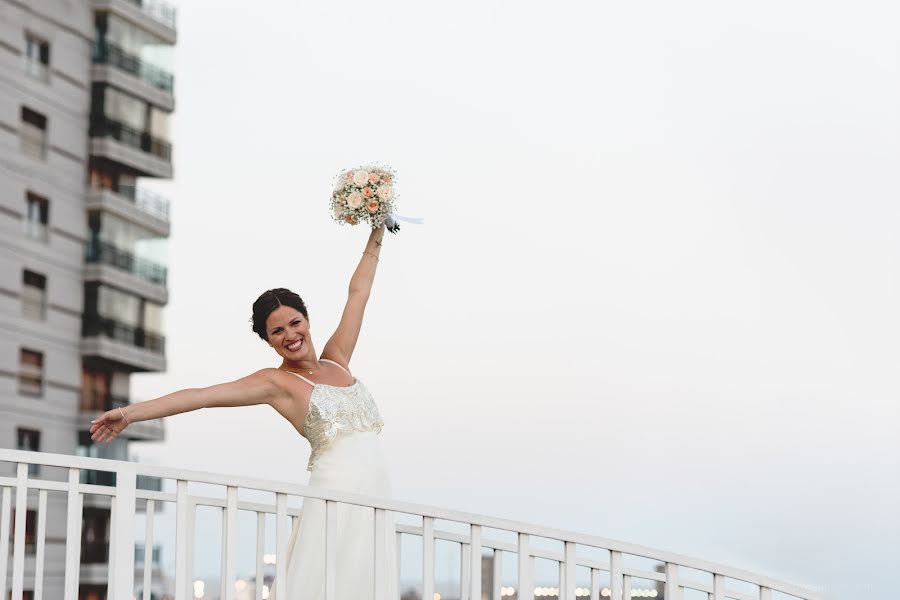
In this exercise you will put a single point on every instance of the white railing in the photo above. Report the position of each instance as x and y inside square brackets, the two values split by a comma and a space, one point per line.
[484, 534]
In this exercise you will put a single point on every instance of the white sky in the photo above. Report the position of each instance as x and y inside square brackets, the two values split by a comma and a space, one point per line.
[656, 297]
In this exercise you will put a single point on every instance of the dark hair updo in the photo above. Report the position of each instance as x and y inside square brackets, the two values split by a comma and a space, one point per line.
[268, 302]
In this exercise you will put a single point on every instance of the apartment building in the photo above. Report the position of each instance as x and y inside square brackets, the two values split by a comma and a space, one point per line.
[86, 94]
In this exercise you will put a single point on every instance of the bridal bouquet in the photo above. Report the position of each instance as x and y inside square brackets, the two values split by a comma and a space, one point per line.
[365, 194]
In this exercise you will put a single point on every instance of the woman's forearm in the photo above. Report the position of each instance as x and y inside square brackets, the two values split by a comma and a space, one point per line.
[164, 406]
[362, 279]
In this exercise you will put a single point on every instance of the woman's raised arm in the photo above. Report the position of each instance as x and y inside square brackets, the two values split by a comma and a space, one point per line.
[341, 345]
[258, 388]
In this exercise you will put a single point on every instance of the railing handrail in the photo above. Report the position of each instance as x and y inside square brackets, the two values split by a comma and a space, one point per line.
[435, 512]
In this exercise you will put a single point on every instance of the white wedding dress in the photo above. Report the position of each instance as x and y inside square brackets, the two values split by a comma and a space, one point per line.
[342, 427]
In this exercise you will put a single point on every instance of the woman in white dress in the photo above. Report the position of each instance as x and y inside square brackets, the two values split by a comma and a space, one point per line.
[328, 406]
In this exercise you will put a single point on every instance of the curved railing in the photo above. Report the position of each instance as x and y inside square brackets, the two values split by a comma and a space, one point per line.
[575, 556]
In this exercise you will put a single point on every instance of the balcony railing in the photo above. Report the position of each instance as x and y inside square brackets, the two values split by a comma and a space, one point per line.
[135, 336]
[107, 254]
[677, 576]
[102, 126]
[162, 12]
[149, 202]
[106, 53]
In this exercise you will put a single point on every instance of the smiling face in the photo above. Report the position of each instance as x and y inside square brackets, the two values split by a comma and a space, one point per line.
[288, 334]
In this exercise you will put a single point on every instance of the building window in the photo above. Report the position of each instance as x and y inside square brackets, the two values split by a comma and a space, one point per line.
[34, 295]
[95, 387]
[37, 216]
[95, 536]
[30, 532]
[37, 57]
[91, 592]
[33, 134]
[29, 440]
[31, 373]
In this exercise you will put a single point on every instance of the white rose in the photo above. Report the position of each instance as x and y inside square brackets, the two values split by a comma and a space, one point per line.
[385, 192]
[361, 177]
[354, 200]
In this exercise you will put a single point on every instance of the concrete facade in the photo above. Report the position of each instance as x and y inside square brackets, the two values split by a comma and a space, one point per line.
[79, 303]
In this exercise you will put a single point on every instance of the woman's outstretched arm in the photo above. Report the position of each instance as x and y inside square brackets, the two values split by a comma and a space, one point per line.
[258, 388]
[341, 345]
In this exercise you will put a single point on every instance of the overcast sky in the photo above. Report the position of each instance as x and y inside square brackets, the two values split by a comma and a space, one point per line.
[657, 294]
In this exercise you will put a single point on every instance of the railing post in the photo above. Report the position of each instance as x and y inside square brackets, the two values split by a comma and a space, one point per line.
[122, 542]
[719, 587]
[497, 575]
[18, 575]
[281, 538]
[673, 592]
[427, 558]
[569, 593]
[615, 576]
[4, 535]
[260, 552]
[380, 554]
[475, 559]
[525, 591]
[73, 536]
[229, 544]
[41, 546]
[331, 575]
[183, 530]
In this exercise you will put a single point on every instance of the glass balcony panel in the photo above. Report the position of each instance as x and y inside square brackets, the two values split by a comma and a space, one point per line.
[161, 11]
[107, 53]
[103, 127]
[135, 336]
[98, 252]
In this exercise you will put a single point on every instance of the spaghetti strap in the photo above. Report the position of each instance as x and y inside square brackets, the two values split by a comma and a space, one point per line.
[303, 378]
[337, 365]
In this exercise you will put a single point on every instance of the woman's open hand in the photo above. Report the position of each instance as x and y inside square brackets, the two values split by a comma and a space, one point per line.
[108, 426]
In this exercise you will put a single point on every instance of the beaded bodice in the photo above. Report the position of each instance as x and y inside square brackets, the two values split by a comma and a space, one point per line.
[333, 409]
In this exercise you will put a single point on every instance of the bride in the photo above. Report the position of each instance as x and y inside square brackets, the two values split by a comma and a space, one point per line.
[330, 408]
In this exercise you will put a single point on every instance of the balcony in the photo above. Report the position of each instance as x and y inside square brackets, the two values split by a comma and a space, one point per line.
[154, 16]
[110, 54]
[137, 150]
[103, 253]
[137, 205]
[123, 70]
[580, 561]
[122, 345]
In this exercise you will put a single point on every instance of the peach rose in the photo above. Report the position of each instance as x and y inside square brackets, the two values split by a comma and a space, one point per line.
[354, 200]
[367, 192]
[386, 179]
[351, 219]
[372, 206]
[385, 192]
[360, 177]
[374, 178]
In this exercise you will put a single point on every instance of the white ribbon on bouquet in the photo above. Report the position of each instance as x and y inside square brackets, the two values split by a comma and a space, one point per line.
[391, 221]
